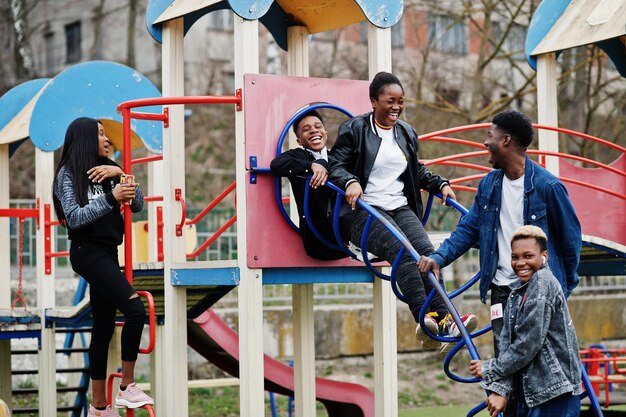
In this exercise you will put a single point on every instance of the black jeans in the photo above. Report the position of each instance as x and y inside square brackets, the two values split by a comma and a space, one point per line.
[383, 244]
[500, 295]
[109, 291]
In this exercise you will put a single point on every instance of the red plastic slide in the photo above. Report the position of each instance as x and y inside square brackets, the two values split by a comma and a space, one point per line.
[211, 337]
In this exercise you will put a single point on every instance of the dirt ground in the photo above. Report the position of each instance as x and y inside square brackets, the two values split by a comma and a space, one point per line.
[421, 378]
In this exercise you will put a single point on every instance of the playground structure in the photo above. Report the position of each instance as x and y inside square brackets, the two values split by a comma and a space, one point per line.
[257, 264]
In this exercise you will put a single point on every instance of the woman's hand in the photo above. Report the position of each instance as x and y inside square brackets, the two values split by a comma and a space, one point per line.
[446, 192]
[320, 175]
[353, 192]
[124, 192]
[476, 368]
[102, 172]
[496, 403]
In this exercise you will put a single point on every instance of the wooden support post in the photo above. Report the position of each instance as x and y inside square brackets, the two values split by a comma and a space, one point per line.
[548, 108]
[385, 327]
[302, 294]
[251, 393]
[5, 275]
[175, 327]
[44, 161]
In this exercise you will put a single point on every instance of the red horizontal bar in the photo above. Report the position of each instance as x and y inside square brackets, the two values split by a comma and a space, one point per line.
[159, 101]
[148, 116]
[146, 159]
[58, 254]
[21, 213]
[153, 198]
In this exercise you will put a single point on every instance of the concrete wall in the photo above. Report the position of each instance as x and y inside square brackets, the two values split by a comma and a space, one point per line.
[345, 330]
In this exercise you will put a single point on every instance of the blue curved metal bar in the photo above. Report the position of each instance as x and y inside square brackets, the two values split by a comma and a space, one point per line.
[465, 286]
[595, 405]
[451, 375]
[309, 222]
[394, 285]
[429, 206]
[366, 261]
[336, 230]
[279, 149]
[480, 407]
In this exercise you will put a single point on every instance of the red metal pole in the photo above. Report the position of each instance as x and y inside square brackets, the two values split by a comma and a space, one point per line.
[128, 224]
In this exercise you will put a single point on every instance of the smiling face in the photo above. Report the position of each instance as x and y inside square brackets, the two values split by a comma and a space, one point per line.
[103, 142]
[312, 134]
[389, 104]
[495, 144]
[526, 257]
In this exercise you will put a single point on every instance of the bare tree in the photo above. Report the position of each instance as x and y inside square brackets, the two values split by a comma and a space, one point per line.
[132, 18]
[98, 17]
[22, 51]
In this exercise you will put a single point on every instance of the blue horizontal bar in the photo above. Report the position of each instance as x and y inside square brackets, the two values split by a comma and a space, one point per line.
[610, 267]
[20, 319]
[201, 277]
[19, 334]
[316, 275]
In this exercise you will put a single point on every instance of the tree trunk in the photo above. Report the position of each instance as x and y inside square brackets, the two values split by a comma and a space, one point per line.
[132, 17]
[96, 49]
[23, 53]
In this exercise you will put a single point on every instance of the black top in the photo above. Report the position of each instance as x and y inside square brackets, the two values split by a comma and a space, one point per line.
[295, 164]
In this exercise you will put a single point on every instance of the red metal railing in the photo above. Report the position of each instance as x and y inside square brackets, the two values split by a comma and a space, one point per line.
[130, 412]
[603, 369]
[452, 160]
[127, 114]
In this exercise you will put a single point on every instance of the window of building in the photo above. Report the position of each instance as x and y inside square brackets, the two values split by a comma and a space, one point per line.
[513, 45]
[447, 34]
[72, 43]
[49, 50]
[397, 35]
[221, 20]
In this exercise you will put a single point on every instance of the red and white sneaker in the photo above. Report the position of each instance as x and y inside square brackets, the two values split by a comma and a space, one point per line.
[132, 397]
[449, 326]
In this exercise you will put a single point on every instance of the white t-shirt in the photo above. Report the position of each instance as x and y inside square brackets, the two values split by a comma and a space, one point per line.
[511, 217]
[385, 188]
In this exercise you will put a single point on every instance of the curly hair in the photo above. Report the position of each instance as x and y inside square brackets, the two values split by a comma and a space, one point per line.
[531, 232]
[299, 120]
[516, 124]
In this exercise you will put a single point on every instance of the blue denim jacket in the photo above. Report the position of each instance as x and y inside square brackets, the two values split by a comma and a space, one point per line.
[538, 341]
[546, 205]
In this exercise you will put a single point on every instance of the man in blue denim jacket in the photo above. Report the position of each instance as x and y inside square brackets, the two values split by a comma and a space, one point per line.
[539, 359]
[515, 193]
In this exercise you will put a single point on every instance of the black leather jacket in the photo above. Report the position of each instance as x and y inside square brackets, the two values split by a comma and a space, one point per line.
[355, 150]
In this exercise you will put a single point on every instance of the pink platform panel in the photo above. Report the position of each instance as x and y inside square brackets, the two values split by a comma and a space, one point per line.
[601, 215]
[269, 102]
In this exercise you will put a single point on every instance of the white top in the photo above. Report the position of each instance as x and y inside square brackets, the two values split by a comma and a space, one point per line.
[511, 217]
[385, 188]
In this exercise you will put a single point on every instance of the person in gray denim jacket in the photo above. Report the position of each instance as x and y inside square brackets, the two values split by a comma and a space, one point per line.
[539, 358]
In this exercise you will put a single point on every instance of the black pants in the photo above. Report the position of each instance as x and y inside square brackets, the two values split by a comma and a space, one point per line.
[500, 295]
[383, 244]
[109, 291]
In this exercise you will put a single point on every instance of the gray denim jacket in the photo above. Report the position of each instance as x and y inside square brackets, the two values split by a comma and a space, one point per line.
[538, 340]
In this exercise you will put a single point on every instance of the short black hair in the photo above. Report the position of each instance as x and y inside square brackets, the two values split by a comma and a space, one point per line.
[516, 124]
[381, 80]
[299, 120]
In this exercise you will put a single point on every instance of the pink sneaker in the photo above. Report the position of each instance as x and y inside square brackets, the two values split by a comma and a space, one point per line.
[132, 397]
[108, 412]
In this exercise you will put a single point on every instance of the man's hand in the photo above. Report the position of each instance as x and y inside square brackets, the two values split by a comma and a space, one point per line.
[426, 264]
[353, 192]
[101, 172]
[320, 175]
[476, 368]
[496, 403]
[446, 192]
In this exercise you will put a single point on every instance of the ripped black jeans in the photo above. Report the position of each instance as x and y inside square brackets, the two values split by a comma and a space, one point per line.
[109, 291]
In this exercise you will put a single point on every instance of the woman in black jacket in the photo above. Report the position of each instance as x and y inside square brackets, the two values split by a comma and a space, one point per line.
[375, 159]
[87, 195]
